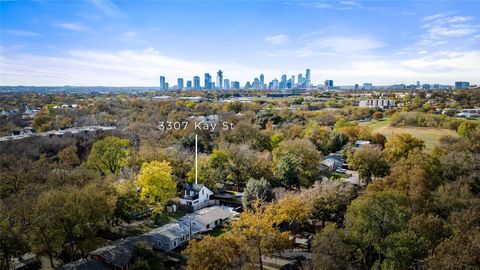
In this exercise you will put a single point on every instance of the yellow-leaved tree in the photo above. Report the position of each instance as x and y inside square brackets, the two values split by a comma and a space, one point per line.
[156, 182]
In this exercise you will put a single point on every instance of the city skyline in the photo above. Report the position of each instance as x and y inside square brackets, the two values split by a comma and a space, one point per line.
[123, 43]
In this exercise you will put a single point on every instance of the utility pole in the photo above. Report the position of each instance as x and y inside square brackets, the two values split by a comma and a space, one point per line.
[196, 159]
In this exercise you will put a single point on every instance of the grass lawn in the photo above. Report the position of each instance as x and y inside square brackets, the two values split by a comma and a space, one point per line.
[430, 136]
[169, 217]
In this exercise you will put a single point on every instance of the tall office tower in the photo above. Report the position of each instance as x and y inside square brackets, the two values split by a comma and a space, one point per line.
[196, 82]
[226, 84]
[219, 80]
[307, 78]
[262, 81]
[256, 84]
[208, 81]
[275, 84]
[418, 85]
[180, 83]
[162, 83]
[328, 84]
[166, 86]
[300, 80]
[293, 81]
[283, 82]
[248, 85]
[356, 86]
[212, 85]
[235, 85]
[189, 85]
[289, 83]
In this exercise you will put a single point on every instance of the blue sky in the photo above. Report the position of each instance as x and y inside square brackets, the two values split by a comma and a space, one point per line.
[131, 43]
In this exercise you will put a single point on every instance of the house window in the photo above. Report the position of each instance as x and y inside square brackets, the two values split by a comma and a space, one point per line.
[208, 226]
[174, 243]
[203, 191]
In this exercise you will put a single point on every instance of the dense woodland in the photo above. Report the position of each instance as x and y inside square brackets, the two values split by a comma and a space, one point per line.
[62, 197]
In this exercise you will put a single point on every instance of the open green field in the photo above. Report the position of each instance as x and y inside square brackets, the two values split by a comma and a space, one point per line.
[430, 136]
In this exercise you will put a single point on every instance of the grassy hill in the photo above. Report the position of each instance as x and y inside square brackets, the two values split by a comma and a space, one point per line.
[430, 136]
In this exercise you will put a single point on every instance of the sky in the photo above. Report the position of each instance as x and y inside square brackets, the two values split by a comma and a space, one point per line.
[132, 43]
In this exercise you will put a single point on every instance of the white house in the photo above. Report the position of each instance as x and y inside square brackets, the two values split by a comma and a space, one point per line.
[197, 196]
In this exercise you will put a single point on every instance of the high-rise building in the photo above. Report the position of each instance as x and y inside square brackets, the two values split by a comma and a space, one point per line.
[166, 86]
[328, 84]
[208, 81]
[180, 83]
[248, 85]
[196, 82]
[307, 78]
[283, 82]
[212, 85]
[235, 85]
[356, 86]
[256, 84]
[189, 85]
[162, 83]
[219, 79]
[459, 85]
[262, 81]
[226, 84]
[300, 79]
[293, 81]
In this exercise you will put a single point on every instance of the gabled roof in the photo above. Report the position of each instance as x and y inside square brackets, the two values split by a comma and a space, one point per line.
[84, 264]
[170, 231]
[119, 252]
[211, 214]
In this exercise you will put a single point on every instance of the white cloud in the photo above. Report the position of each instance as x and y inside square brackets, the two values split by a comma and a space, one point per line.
[277, 39]
[72, 26]
[442, 26]
[332, 46]
[107, 7]
[23, 33]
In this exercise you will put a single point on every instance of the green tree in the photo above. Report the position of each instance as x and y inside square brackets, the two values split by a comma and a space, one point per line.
[331, 250]
[405, 250]
[319, 136]
[308, 158]
[156, 182]
[371, 218]
[256, 190]
[369, 161]
[288, 170]
[109, 155]
[467, 127]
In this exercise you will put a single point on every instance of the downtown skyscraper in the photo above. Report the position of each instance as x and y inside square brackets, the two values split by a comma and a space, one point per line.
[220, 80]
[208, 81]
[196, 82]
[163, 86]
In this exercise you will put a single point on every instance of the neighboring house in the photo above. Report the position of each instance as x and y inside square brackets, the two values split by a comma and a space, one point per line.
[211, 217]
[8, 112]
[84, 264]
[333, 162]
[359, 143]
[169, 236]
[197, 196]
[118, 254]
